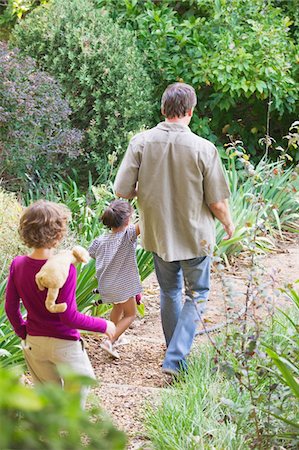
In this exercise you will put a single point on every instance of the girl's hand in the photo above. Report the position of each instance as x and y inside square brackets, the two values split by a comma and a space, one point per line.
[110, 330]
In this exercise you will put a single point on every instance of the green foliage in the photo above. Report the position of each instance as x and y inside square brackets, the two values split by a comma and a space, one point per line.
[10, 348]
[290, 9]
[285, 357]
[35, 129]
[14, 10]
[100, 68]
[190, 414]
[275, 188]
[293, 141]
[44, 418]
[239, 55]
[218, 411]
[86, 205]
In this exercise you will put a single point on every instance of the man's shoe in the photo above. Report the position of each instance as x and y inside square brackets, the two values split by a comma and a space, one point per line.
[170, 371]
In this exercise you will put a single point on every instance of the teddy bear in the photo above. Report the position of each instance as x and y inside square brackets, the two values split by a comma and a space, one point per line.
[54, 274]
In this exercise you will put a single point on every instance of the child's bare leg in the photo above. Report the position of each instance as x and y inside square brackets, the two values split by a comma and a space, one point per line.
[129, 315]
[116, 313]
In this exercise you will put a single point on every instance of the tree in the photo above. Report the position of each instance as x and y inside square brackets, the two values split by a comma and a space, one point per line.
[240, 56]
[100, 68]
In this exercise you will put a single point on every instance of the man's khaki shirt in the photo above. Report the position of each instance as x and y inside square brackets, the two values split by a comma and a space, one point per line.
[177, 174]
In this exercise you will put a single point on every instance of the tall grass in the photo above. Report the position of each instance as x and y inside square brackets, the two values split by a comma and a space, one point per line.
[192, 414]
[278, 189]
[208, 408]
[284, 354]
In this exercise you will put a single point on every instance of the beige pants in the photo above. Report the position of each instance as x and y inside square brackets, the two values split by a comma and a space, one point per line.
[44, 355]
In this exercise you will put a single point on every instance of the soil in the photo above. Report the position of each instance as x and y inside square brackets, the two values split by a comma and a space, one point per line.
[127, 384]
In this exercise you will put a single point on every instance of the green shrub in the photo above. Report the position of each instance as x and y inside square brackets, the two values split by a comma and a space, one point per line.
[14, 10]
[99, 67]
[43, 418]
[277, 187]
[35, 130]
[238, 54]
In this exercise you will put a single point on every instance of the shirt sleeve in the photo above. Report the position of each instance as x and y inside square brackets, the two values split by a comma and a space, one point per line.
[131, 233]
[127, 175]
[93, 248]
[214, 183]
[12, 306]
[72, 317]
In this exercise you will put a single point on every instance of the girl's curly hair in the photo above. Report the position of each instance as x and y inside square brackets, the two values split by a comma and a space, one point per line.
[43, 224]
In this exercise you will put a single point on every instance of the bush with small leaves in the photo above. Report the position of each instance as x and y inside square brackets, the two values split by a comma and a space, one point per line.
[36, 137]
[100, 68]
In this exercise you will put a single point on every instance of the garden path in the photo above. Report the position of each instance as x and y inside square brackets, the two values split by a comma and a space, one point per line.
[127, 384]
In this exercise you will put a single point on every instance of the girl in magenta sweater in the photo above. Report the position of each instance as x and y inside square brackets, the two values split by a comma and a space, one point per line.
[49, 339]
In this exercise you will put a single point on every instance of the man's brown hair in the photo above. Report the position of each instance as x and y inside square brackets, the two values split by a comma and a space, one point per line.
[43, 224]
[178, 98]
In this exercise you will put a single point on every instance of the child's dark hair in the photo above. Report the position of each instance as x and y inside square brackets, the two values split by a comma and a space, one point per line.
[117, 213]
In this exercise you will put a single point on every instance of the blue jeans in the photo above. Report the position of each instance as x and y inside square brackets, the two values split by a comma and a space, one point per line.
[179, 320]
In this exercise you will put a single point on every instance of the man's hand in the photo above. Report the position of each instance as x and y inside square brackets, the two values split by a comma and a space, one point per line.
[110, 330]
[133, 194]
[230, 229]
[222, 213]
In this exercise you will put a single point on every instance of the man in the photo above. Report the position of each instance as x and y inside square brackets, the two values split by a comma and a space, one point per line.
[179, 183]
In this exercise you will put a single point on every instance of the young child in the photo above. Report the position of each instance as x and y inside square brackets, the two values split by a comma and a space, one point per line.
[116, 268]
[48, 339]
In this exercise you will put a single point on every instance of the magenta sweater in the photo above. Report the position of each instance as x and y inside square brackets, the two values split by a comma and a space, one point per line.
[40, 322]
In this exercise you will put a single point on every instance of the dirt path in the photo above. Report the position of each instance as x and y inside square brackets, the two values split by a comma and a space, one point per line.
[126, 384]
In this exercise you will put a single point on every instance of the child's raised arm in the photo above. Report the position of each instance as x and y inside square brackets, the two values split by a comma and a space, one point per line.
[93, 248]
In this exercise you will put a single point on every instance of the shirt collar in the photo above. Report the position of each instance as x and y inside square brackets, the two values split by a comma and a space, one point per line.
[172, 126]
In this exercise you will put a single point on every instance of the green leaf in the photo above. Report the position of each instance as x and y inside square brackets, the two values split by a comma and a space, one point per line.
[261, 86]
[282, 365]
